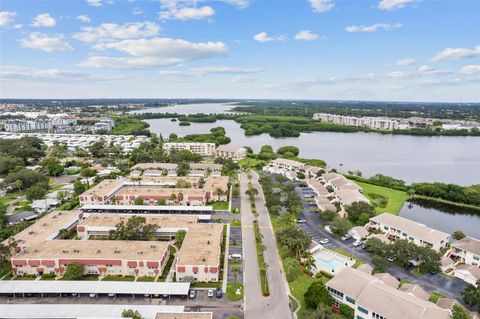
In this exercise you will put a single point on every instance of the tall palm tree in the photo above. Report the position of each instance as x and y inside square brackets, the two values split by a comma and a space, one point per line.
[180, 197]
[235, 273]
[308, 261]
[218, 192]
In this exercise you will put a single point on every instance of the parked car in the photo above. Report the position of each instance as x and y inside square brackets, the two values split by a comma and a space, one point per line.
[357, 243]
[346, 237]
[391, 259]
[328, 229]
[92, 295]
[364, 246]
[408, 266]
[219, 292]
[235, 257]
[192, 294]
[324, 241]
[210, 293]
[301, 221]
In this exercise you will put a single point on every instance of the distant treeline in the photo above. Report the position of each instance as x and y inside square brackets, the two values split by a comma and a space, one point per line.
[458, 111]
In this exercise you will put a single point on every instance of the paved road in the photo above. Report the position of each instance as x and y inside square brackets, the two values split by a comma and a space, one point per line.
[449, 287]
[275, 306]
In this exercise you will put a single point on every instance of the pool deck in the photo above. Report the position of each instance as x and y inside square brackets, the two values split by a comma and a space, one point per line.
[325, 255]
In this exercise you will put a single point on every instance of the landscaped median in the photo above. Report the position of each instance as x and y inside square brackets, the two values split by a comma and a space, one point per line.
[262, 265]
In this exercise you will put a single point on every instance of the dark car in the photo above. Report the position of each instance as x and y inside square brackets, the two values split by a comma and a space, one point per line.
[218, 292]
[408, 266]
[433, 271]
[192, 294]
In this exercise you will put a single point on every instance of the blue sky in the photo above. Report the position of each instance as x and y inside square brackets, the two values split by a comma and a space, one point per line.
[396, 50]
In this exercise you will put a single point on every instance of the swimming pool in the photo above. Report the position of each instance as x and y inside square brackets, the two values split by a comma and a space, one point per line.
[330, 261]
[330, 265]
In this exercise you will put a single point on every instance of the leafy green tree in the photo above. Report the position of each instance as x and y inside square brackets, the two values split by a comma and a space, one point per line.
[25, 177]
[129, 313]
[37, 191]
[181, 183]
[179, 237]
[296, 239]
[136, 228]
[329, 215]
[458, 234]
[379, 263]
[347, 311]
[74, 272]
[292, 268]
[98, 149]
[138, 201]
[471, 295]
[356, 209]
[376, 246]
[339, 226]
[288, 149]
[52, 166]
[78, 187]
[9, 163]
[458, 312]
[308, 262]
[321, 312]
[317, 294]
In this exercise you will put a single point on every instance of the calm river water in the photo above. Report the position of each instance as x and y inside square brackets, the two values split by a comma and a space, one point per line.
[411, 158]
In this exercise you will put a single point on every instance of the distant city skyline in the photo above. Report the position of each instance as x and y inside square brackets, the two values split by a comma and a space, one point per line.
[385, 50]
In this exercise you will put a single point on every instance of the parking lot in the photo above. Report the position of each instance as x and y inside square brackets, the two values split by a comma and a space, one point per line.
[235, 248]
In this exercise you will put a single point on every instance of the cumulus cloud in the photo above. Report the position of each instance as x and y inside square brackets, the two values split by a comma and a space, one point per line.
[373, 27]
[113, 31]
[470, 69]
[43, 20]
[143, 53]
[238, 3]
[394, 4]
[425, 68]
[405, 62]
[264, 37]
[95, 3]
[137, 11]
[456, 53]
[322, 5]
[22, 73]
[6, 17]
[401, 75]
[39, 41]
[187, 13]
[306, 35]
[83, 18]
[202, 71]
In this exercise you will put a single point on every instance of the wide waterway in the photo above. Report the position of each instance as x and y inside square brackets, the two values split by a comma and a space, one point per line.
[411, 158]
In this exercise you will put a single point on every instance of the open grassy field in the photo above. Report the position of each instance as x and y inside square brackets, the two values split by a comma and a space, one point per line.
[395, 198]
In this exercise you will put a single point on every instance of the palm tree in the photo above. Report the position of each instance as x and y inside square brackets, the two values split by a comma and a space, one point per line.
[218, 192]
[173, 196]
[309, 261]
[235, 273]
[136, 179]
[18, 184]
[180, 197]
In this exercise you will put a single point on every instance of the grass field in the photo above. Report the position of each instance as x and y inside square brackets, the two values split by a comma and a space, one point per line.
[434, 296]
[395, 198]
[231, 295]
[223, 205]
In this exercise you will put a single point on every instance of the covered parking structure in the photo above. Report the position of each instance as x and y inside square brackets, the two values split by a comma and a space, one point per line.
[56, 311]
[147, 209]
[22, 288]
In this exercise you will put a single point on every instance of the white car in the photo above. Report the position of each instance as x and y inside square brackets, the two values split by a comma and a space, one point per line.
[357, 243]
[328, 229]
[346, 237]
[210, 293]
[324, 241]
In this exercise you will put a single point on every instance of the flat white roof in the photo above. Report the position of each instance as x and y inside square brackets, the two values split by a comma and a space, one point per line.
[97, 287]
[148, 207]
[20, 311]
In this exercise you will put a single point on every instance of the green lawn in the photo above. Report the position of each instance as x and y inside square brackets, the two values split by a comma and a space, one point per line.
[235, 223]
[299, 286]
[395, 198]
[118, 278]
[231, 291]
[146, 279]
[251, 162]
[434, 296]
[128, 125]
[212, 285]
[345, 253]
[223, 205]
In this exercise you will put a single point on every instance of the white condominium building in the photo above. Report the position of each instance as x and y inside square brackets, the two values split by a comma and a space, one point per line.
[377, 296]
[467, 250]
[380, 123]
[206, 149]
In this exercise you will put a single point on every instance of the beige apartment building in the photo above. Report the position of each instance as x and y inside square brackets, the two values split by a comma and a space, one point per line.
[231, 151]
[205, 149]
[396, 227]
[467, 251]
[381, 123]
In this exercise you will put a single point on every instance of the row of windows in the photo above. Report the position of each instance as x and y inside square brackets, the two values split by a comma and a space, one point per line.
[335, 292]
[377, 316]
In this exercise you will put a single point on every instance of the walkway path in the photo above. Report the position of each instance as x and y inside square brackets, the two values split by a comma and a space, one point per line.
[275, 306]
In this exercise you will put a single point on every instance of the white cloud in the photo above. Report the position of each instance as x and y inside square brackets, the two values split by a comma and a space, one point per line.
[83, 18]
[113, 31]
[43, 20]
[405, 62]
[456, 53]
[6, 17]
[244, 79]
[39, 41]
[425, 68]
[18, 26]
[137, 11]
[306, 35]
[322, 5]
[401, 75]
[264, 37]
[238, 3]
[394, 4]
[470, 69]
[95, 3]
[187, 13]
[373, 27]
[23, 73]
[202, 71]
[143, 53]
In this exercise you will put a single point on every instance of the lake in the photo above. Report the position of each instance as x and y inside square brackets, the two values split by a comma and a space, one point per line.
[210, 108]
[411, 158]
[442, 217]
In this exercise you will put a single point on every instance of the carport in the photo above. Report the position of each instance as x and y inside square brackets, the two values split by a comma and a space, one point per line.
[19, 288]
